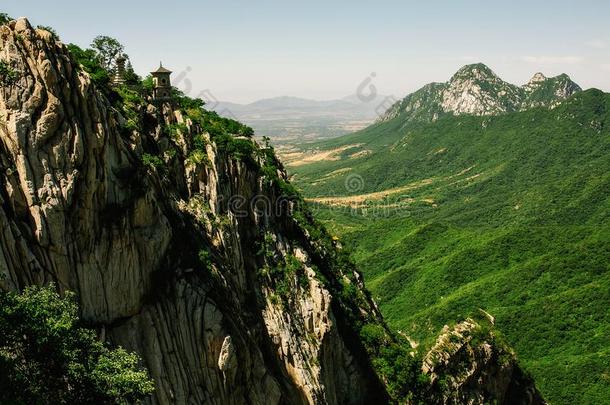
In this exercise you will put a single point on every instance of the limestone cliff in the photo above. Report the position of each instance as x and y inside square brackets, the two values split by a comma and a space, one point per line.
[186, 246]
[80, 209]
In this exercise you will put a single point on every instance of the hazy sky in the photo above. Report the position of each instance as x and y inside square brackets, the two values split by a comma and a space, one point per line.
[245, 50]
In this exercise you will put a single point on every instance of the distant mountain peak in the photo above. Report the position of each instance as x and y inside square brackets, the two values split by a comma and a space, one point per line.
[476, 71]
[537, 78]
[477, 90]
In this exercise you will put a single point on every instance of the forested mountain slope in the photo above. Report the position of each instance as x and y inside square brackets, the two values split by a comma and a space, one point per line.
[507, 212]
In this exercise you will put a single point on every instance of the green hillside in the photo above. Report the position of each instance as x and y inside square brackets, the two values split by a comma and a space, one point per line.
[507, 213]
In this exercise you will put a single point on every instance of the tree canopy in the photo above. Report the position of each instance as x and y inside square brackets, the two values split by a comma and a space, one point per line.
[47, 357]
[4, 18]
[107, 50]
[89, 61]
[50, 30]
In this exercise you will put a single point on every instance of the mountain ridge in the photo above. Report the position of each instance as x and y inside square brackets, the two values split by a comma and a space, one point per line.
[273, 105]
[477, 90]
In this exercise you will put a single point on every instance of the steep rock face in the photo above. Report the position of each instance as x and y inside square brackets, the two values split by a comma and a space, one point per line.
[65, 157]
[468, 365]
[80, 209]
[477, 90]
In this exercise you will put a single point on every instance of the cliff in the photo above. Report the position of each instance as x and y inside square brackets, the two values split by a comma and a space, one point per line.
[80, 209]
[182, 243]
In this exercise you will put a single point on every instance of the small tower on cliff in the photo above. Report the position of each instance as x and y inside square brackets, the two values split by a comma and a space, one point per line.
[119, 73]
[162, 87]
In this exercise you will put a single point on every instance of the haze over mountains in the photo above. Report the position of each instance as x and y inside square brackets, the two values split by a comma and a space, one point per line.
[474, 89]
[293, 119]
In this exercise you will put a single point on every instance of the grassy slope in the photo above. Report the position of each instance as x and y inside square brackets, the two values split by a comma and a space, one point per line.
[523, 234]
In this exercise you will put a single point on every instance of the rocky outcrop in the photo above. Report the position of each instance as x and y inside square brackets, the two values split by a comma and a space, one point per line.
[548, 92]
[470, 365]
[477, 90]
[80, 209]
[69, 214]
[536, 80]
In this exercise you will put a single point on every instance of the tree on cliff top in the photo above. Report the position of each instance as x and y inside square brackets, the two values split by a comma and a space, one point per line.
[46, 357]
[4, 18]
[107, 50]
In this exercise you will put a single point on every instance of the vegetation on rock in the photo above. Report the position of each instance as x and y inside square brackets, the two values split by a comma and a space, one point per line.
[90, 64]
[8, 75]
[46, 356]
[4, 18]
[50, 30]
[477, 90]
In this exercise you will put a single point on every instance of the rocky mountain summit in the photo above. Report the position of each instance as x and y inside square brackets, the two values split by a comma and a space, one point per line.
[477, 90]
[186, 244]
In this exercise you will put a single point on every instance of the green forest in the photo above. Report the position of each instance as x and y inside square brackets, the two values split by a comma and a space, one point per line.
[507, 213]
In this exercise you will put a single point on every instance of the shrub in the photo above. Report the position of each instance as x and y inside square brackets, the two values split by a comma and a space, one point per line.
[50, 30]
[87, 59]
[175, 130]
[153, 162]
[185, 102]
[285, 273]
[5, 18]
[394, 363]
[47, 357]
[170, 154]
[295, 270]
[8, 75]
[240, 149]
[205, 260]
[197, 157]
[200, 143]
[147, 84]
[199, 152]
[131, 103]
[210, 121]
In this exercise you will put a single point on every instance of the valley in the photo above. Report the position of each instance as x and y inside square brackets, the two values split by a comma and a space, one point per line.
[291, 120]
[506, 212]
